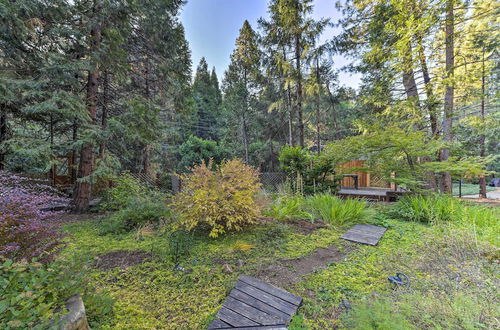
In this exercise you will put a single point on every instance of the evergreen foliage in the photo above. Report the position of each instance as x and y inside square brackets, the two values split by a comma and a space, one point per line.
[195, 150]
[108, 85]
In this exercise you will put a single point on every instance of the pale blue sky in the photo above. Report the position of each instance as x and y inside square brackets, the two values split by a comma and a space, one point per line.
[212, 27]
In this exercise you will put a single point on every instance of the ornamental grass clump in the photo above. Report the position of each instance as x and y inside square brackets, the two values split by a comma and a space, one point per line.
[336, 211]
[24, 230]
[288, 208]
[430, 208]
[218, 200]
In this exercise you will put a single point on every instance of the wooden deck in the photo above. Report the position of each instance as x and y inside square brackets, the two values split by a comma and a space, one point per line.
[368, 193]
[365, 234]
[379, 194]
[253, 304]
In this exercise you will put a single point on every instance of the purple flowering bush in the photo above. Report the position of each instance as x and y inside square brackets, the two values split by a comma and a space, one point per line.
[25, 232]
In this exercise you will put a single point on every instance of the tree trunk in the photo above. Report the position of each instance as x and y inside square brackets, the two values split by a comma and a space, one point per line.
[409, 78]
[482, 152]
[334, 111]
[3, 135]
[83, 187]
[74, 153]
[245, 138]
[449, 94]
[104, 118]
[410, 86]
[430, 101]
[244, 119]
[291, 140]
[298, 69]
[146, 160]
[318, 119]
[53, 167]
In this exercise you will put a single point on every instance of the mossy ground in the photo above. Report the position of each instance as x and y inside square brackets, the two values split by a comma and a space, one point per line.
[154, 295]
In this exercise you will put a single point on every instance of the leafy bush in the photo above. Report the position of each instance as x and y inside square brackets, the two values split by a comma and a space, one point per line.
[428, 208]
[27, 299]
[24, 231]
[288, 208]
[125, 189]
[138, 212]
[33, 295]
[30, 294]
[294, 160]
[335, 211]
[195, 150]
[220, 200]
[309, 173]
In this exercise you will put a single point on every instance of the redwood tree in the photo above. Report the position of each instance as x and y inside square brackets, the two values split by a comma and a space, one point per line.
[83, 185]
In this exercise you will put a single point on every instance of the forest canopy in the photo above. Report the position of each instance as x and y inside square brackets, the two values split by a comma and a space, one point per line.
[102, 87]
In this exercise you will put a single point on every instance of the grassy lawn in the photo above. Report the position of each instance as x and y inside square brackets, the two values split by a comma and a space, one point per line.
[469, 189]
[453, 273]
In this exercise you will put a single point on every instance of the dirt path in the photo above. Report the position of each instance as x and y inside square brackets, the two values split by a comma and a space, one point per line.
[284, 273]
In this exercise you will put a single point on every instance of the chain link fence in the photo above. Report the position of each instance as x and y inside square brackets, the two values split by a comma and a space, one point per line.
[271, 181]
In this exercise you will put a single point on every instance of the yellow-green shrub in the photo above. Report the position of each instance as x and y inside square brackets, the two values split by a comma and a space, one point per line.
[220, 200]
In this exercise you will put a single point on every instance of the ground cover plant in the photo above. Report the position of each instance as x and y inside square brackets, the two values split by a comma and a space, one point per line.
[136, 268]
[34, 287]
[175, 290]
[34, 294]
[446, 263]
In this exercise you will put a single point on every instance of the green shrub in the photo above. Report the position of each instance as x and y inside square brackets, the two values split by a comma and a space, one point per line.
[336, 211]
[196, 150]
[33, 295]
[294, 160]
[428, 208]
[125, 188]
[219, 200]
[28, 296]
[138, 212]
[288, 208]
[308, 173]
